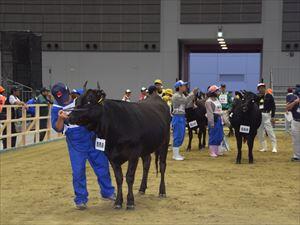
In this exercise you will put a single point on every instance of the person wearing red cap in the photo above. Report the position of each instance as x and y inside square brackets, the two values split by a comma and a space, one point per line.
[267, 108]
[215, 127]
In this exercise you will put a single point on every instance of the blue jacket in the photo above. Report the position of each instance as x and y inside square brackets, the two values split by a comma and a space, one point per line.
[78, 137]
[31, 110]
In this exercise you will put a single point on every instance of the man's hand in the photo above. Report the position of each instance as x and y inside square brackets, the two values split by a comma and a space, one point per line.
[195, 90]
[63, 115]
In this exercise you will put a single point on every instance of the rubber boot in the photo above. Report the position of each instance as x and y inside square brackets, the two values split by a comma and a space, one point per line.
[176, 155]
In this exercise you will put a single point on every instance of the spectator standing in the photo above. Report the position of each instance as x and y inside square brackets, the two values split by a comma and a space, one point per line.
[143, 94]
[267, 108]
[167, 97]
[13, 99]
[76, 93]
[159, 87]
[288, 117]
[225, 99]
[215, 127]
[127, 95]
[293, 106]
[43, 98]
[2, 102]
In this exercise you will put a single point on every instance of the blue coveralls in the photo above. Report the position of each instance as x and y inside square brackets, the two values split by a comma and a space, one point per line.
[216, 133]
[81, 145]
[178, 125]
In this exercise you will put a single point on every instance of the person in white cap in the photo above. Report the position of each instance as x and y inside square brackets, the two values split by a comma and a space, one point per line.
[143, 94]
[180, 101]
[126, 97]
[267, 108]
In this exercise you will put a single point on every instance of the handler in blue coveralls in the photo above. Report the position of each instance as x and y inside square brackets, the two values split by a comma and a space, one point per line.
[81, 145]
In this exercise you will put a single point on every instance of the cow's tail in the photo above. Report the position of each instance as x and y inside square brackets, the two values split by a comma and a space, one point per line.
[156, 162]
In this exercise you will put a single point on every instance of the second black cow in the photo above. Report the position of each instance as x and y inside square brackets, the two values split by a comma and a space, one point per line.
[245, 118]
[196, 119]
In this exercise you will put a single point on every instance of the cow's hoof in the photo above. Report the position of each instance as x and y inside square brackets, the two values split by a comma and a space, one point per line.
[250, 162]
[130, 207]
[142, 192]
[117, 206]
[162, 195]
[188, 149]
[238, 162]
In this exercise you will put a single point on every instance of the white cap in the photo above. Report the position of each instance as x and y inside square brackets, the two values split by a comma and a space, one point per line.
[143, 89]
[261, 84]
[128, 91]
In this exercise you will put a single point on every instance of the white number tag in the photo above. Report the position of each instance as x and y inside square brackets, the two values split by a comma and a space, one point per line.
[193, 124]
[298, 110]
[261, 106]
[223, 99]
[244, 129]
[230, 115]
[100, 144]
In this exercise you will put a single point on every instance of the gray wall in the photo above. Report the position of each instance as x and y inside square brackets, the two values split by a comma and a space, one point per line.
[118, 71]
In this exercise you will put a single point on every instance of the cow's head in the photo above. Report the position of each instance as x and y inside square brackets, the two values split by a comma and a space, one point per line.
[248, 99]
[88, 107]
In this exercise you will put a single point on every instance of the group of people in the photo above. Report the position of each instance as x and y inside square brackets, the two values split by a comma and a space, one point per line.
[13, 98]
[218, 105]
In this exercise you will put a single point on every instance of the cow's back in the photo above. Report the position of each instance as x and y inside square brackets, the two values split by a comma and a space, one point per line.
[144, 125]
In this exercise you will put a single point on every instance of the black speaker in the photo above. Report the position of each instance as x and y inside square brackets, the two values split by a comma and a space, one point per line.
[21, 56]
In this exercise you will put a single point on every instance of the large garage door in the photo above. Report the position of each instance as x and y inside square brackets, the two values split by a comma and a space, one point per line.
[237, 70]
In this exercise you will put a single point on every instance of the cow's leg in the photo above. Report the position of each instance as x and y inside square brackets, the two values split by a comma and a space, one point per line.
[132, 164]
[162, 167]
[250, 142]
[239, 147]
[119, 180]
[190, 139]
[204, 136]
[146, 166]
[203, 131]
[200, 138]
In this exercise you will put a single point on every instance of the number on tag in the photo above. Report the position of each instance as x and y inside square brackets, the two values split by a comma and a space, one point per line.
[100, 144]
[244, 129]
[261, 106]
[223, 99]
[193, 124]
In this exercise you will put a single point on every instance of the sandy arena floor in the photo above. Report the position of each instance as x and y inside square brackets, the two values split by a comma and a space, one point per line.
[36, 189]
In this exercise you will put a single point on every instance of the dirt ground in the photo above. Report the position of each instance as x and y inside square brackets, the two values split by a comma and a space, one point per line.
[36, 188]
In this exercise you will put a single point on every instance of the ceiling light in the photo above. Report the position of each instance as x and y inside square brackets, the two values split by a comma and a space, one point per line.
[220, 39]
[224, 45]
[224, 48]
[222, 42]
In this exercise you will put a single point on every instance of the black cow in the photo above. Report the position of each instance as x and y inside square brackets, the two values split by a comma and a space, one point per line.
[130, 130]
[245, 118]
[197, 113]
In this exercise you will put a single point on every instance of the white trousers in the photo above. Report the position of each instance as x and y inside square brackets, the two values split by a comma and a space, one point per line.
[266, 126]
[296, 138]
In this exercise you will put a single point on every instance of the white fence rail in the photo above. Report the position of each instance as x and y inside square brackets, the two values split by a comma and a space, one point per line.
[28, 128]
